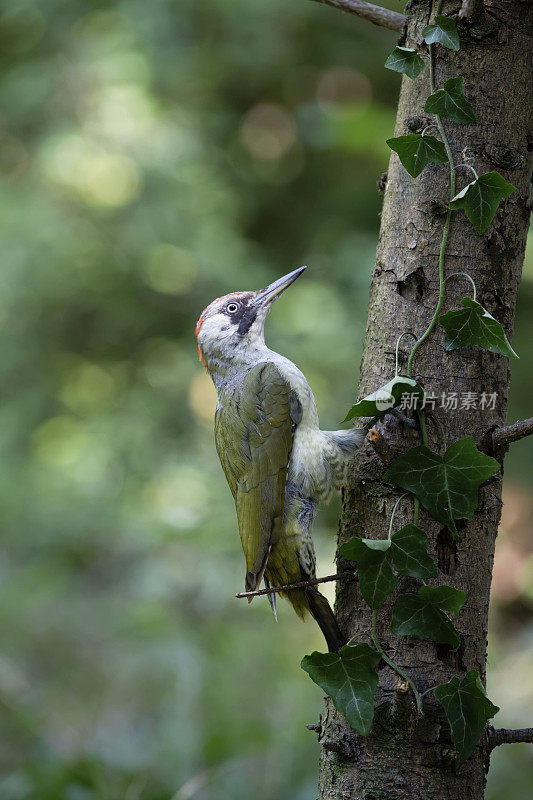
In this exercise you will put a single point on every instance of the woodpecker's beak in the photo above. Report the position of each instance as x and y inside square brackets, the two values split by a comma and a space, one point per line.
[267, 296]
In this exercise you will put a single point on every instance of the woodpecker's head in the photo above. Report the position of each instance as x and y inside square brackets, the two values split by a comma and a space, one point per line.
[233, 325]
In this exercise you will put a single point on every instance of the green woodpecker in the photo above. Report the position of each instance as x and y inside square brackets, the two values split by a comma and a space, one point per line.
[277, 461]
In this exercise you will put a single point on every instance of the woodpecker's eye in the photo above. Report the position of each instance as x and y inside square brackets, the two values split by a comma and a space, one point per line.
[231, 308]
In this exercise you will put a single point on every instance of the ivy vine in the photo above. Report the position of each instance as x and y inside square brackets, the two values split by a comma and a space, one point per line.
[445, 485]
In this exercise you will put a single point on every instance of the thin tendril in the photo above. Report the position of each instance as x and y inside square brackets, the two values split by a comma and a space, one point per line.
[465, 275]
[400, 337]
[394, 666]
[356, 636]
[468, 166]
[448, 215]
[394, 512]
[423, 428]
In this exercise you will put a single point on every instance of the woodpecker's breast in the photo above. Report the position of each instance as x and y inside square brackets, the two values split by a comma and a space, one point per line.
[317, 464]
[298, 383]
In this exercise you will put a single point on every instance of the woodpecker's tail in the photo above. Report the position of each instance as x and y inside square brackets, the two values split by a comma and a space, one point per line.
[324, 616]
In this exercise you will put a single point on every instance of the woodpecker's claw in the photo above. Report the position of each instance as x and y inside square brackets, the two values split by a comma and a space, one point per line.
[412, 423]
[271, 599]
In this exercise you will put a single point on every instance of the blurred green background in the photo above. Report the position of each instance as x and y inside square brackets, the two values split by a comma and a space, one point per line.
[152, 157]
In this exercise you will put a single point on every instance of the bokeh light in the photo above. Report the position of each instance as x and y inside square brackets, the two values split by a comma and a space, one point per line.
[153, 157]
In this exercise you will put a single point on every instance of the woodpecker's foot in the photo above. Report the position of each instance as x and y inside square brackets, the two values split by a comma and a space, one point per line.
[395, 412]
[404, 419]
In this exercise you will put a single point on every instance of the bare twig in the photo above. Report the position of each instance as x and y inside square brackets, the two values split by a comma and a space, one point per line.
[497, 736]
[511, 433]
[375, 14]
[299, 585]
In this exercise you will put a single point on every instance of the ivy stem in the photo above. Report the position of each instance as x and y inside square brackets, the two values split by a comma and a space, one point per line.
[356, 636]
[392, 665]
[468, 166]
[424, 432]
[400, 337]
[428, 127]
[396, 504]
[465, 275]
[423, 427]
[446, 228]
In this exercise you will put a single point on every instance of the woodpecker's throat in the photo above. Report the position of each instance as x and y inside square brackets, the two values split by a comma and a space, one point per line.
[230, 334]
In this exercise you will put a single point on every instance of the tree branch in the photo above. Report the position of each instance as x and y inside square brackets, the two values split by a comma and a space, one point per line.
[299, 585]
[497, 736]
[511, 433]
[375, 14]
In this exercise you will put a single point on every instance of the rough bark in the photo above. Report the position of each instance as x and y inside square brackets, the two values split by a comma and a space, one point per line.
[406, 756]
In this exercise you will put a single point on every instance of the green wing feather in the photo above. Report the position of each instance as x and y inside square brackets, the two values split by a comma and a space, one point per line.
[253, 434]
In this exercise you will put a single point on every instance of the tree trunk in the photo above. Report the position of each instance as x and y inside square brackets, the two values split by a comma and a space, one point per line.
[406, 756]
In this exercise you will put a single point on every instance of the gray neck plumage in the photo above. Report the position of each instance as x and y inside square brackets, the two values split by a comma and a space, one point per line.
[220, 371]
[223, 368]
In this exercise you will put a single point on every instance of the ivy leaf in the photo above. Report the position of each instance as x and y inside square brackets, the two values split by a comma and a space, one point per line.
[416, 151]
[409, 553]
[444, 597]
[467, 709]
[406, 60]
[384, 398]
[443, 31]
[447, 486]
[450, 102]
[406, 551]
[473, 324]
[481, 198]
[374, 566]
[423, 614]
[350, 679]
[376, 544]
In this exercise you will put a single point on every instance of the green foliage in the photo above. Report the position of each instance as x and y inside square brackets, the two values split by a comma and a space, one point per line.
[450, 102]
[447, 486]
[350, 679]
[473, 325]
[374, 566]
[417, 151]
[384, 398]
[410, 555]
[406, 550]
[481, 198]
[467, 709]
[442, 31]
[406, 60]
[423, 614]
